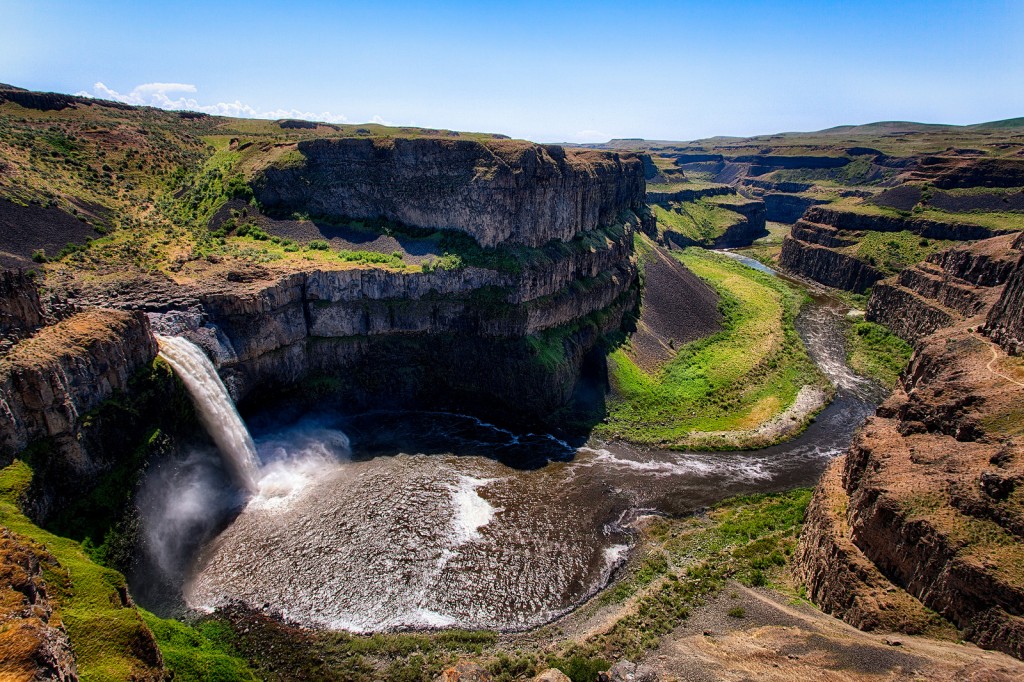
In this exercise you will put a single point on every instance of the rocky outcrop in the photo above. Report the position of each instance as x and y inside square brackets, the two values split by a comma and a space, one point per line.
[926, 504]
[1005, 324]
[21, 311]
[838, 577]
[33, 642]
[952, 286]
[927, 499]
[817, 249]
[501, 192]
[829, 267]
[50, 381]
[930, 229]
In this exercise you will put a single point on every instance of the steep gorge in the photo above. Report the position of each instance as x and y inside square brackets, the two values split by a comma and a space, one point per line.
[925, 508]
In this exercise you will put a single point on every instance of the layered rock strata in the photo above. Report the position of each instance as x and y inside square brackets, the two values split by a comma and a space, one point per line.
[1005, 324]
[358, 324]
[814, 249]
[50, 381]
[950, 287]
[927, 507]
[504, 192]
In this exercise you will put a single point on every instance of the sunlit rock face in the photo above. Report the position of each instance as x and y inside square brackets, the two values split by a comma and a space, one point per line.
[500, 192]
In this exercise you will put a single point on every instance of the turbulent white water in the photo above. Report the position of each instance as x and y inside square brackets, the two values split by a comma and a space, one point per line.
[215, 407]
[440, 520]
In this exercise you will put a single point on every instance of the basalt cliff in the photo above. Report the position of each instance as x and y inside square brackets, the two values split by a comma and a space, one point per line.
[923, 514]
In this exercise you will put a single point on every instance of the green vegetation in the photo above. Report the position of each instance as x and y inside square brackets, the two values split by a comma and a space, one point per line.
[701, 221]
[891, 252]
[1005, 221]
[767, 249]
[200, 653]
[106, 632]
[734, 380]
[749, 539]
[366, 257]
[875, 352]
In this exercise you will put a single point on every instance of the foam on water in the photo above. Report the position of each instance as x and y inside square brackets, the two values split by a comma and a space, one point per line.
[690, 465]
[472, 512]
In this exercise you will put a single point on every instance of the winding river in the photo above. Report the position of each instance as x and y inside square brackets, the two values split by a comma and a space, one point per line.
[406, 520]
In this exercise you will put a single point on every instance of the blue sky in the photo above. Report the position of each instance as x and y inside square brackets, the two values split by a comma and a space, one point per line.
[546, 71]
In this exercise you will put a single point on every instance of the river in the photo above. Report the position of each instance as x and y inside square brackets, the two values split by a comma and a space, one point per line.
[392, 520]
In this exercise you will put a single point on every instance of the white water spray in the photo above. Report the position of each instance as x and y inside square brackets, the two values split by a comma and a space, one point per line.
[216, 409]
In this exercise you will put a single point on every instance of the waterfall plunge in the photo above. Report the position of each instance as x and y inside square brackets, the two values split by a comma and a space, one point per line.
[216, 409]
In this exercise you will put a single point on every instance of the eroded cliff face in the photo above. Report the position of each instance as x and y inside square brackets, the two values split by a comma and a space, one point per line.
[409, 339]
[501, 192]
[822, 244]
[949, 288]
[926, 508]
[50, 381]
[821, 263]
[1005, 324]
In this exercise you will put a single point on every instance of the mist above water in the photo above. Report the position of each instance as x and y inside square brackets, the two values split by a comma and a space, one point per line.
[392, 520]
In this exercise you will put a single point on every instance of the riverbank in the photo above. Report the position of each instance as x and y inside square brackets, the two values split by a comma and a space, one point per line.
[749, 385]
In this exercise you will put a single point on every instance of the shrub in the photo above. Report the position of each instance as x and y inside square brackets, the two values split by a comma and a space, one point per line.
[319, 245]
[39, 256]
[737, 612]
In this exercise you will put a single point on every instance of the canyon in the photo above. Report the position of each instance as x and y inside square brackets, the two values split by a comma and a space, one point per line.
[427, 333]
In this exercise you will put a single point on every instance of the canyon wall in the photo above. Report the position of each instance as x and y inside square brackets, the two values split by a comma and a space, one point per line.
[472, 337]
[925, 511]
[817, 249]
[948, 288]
[1005, 324]
[50, 381]
[502, 192]
[827, 266]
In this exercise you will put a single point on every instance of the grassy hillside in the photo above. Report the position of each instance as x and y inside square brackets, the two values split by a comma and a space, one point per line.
[734, 380]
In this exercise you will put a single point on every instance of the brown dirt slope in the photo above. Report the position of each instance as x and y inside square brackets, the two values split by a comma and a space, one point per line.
[776, 639]
[677, 307]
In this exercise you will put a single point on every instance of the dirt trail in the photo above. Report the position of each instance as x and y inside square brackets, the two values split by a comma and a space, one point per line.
[777, 639]
[994, 360]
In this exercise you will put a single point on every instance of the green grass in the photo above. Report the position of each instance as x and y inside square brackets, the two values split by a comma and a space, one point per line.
[891, 252]
[200, 653]
[701, 221]
[875, 352]
[748, 539]
[733, 380]
[993, 220]
[104, 632]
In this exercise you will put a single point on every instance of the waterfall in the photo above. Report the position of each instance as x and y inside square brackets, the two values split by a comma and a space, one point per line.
[215, 406]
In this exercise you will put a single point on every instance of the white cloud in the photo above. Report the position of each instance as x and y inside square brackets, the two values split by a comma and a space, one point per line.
[169, 96]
